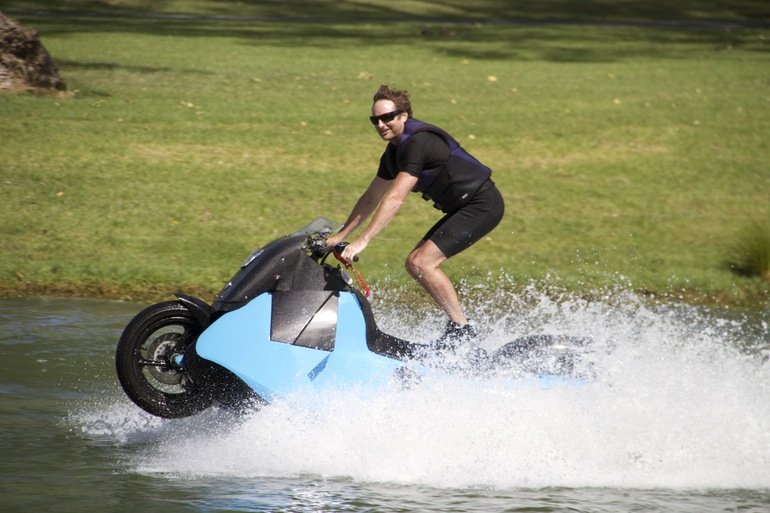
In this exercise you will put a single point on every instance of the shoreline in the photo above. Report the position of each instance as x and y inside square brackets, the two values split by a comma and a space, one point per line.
[750, 300]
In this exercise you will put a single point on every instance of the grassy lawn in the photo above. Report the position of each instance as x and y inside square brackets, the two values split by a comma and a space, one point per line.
[629, 154]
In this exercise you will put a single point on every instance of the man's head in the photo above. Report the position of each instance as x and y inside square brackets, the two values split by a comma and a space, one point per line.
[390, 110]
[398, 97]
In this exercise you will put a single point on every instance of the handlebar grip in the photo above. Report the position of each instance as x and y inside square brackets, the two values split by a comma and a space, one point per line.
[340, 247]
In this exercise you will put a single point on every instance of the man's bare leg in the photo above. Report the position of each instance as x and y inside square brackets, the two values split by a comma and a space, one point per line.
[423, 265]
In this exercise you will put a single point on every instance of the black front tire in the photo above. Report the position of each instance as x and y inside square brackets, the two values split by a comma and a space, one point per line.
[147, 359]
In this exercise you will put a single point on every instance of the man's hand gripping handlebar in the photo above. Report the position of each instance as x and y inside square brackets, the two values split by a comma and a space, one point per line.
[347, 264]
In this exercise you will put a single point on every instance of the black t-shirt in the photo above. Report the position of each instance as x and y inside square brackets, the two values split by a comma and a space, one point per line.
[423, 150]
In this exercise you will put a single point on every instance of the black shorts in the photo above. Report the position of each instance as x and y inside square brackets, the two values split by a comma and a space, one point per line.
[462, 228]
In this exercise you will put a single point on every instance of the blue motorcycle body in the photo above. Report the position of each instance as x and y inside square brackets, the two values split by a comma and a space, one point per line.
[286, 321]
[273, 364]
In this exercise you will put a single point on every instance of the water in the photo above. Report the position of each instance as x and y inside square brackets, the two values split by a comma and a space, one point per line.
[676, 419]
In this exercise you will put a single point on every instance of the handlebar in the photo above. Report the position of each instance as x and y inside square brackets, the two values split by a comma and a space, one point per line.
[319, 247]
[339, 248]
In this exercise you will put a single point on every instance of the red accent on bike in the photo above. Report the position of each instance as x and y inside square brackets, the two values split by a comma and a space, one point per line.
[347, 264]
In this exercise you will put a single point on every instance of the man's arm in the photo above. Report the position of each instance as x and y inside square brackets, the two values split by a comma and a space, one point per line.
[388, 207]
[363, 208]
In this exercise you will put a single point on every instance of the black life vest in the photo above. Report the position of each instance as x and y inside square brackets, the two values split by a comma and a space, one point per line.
[452, 185]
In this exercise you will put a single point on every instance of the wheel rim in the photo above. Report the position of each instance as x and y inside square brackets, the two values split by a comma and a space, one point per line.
[158, 357]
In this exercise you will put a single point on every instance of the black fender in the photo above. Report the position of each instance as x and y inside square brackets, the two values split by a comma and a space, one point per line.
[543, 354]
[198, 307]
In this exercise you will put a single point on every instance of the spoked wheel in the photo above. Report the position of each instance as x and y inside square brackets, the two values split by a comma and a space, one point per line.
[148, 361]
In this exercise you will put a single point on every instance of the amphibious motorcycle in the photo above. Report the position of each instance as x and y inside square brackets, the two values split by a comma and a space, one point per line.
[287, 319]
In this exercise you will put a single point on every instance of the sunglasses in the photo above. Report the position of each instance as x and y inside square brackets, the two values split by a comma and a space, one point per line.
[385, 118]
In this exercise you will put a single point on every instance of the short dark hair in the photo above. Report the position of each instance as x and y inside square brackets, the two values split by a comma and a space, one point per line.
[397, 96]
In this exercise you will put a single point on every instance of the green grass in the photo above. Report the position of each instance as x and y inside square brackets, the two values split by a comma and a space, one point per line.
[751, 251]
[627, 155]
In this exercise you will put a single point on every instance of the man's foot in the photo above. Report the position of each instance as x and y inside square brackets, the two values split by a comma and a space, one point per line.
[460, 345]
[454, 335]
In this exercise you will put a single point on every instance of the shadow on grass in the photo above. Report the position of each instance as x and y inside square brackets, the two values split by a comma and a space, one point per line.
[111, 66]
[86, 91]
[600, 30]
[661, 11]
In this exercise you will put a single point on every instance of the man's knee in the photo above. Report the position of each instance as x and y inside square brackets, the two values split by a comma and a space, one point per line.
[423, 260]
[413, 266]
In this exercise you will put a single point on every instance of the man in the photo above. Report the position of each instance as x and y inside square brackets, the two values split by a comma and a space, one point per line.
[424, 158]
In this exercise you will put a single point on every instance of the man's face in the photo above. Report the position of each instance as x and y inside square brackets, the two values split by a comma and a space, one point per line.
[389, 130]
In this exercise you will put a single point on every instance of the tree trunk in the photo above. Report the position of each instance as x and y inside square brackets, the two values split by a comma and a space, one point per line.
[24, 63]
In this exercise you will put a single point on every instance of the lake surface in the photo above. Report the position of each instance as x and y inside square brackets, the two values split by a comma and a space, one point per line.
[676, 419]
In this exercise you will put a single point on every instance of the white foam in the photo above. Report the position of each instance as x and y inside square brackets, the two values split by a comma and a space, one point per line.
[680, 398]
